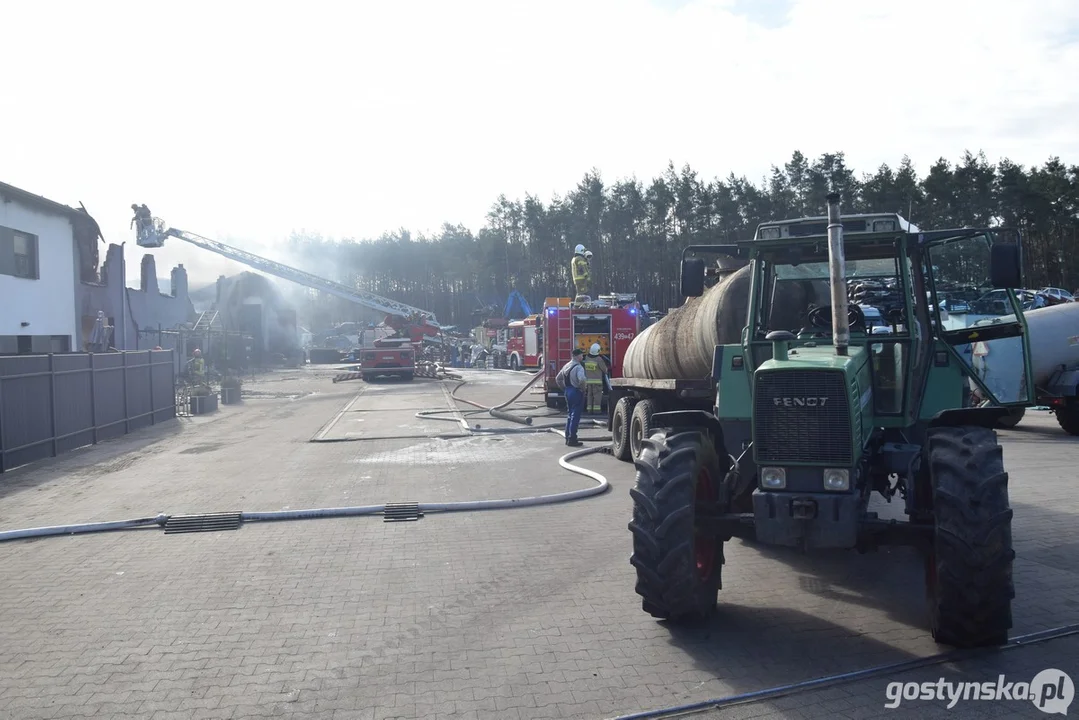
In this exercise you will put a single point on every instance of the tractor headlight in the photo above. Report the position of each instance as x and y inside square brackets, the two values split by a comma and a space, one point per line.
[773, 478]
[837, 479]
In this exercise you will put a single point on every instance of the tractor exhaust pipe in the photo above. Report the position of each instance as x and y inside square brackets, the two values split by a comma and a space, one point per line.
[837, 272]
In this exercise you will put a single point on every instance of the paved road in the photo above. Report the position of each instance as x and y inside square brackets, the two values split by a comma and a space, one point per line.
[528, 613]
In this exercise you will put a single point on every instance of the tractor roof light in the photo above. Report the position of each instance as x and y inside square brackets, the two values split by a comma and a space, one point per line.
[884, 226]
[771, 233]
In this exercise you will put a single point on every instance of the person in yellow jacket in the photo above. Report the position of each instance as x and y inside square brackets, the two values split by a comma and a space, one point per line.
[582, 275]
[594, 370]
[198, 365]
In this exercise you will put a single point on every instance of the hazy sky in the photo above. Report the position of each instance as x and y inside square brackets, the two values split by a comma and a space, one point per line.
[244, 121]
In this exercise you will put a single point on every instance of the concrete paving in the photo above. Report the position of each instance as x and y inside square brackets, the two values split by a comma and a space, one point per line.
[525, 613]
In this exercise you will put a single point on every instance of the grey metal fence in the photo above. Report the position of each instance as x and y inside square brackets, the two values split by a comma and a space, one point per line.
[52, 404]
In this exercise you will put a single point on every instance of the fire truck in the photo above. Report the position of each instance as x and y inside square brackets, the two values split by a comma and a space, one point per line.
[610, 320]
[524, 343]
[394, 357]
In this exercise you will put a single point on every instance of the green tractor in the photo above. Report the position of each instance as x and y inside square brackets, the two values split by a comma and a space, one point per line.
[808, 422]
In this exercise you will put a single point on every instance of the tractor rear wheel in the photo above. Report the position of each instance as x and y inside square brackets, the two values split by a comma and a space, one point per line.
[620, 448]
[640, 425]
[969, 570]
[1068, 417]
[679, 569]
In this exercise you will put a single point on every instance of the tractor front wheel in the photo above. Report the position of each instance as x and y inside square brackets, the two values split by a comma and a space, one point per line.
[679, 568]
[969, 569]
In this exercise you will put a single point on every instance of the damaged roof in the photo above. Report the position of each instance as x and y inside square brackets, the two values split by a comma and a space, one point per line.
[42, 202]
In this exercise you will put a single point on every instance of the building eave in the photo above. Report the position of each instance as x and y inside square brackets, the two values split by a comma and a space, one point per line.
[10, 192]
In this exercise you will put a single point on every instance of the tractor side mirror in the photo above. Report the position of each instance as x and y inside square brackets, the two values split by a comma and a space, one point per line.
[1005, 266]
[691, 283]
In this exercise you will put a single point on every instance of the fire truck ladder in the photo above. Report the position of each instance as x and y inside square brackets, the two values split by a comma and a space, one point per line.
[566, 339]
[155, 237]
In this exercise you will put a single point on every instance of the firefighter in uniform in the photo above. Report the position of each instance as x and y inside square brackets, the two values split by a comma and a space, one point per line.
[198, 366]
[594, 370]
[581, 274]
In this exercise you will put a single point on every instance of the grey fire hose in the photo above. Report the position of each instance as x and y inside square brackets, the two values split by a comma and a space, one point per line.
[162, 519]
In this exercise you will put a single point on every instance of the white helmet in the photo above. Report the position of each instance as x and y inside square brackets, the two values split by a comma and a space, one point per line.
[588, 254]
[594, 350]
[579, 250]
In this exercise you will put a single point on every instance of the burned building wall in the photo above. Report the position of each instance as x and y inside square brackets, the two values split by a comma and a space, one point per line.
[251, 304]
[129, 310]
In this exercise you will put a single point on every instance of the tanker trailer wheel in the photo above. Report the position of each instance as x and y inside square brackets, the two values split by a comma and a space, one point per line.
[969, 569]
[640, 425]
[679, 569]
[620, 446]
[1068, 416]
[1012, 419]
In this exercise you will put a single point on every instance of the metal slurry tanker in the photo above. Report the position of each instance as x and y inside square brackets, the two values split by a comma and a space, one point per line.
[669, 364]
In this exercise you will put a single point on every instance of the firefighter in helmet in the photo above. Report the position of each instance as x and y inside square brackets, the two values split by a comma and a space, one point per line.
[595, 368]
[581, 274]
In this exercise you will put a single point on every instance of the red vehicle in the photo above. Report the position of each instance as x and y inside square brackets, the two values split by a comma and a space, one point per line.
[524, 343]
[610, 320]
[395, 357]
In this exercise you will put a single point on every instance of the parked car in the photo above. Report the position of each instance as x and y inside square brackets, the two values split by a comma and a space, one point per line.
[1055, 296]
[995, 302]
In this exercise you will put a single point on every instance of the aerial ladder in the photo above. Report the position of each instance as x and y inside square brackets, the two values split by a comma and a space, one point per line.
[152, 233]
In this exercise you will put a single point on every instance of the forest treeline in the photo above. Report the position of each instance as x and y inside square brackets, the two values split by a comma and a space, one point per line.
[637, 230]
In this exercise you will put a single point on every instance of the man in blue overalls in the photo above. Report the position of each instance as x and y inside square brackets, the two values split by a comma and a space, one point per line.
[575, 383]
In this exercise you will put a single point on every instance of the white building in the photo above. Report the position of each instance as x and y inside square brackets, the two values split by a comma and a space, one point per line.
[39, 269]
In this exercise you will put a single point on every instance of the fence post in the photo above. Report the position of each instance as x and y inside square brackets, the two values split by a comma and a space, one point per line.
[52, 403]
[153, 405]
[93, 397]
[123, 380]
[1, 420]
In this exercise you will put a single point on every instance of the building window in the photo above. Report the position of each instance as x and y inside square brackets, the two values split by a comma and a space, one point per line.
[25, 255]
[18, 254]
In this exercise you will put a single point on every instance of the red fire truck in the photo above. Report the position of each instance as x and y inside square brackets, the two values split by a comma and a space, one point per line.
[394, 357]
[610, 320]
[524, 343]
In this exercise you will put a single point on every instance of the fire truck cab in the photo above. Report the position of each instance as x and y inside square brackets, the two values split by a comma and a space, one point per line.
[610, 320]
[524, 343]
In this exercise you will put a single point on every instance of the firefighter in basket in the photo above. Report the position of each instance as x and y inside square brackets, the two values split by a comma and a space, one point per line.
[582, 275]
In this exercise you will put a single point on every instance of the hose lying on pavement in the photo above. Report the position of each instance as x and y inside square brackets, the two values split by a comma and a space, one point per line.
[602, 485]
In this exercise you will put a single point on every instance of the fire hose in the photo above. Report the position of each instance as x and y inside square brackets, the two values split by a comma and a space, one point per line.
[602, 485]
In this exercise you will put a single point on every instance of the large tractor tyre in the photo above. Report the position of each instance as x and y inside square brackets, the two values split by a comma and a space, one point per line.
[623, 411]
[1068, 417]
[969, 569]
[678, 570]
[1012, 419]
[640, 425]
